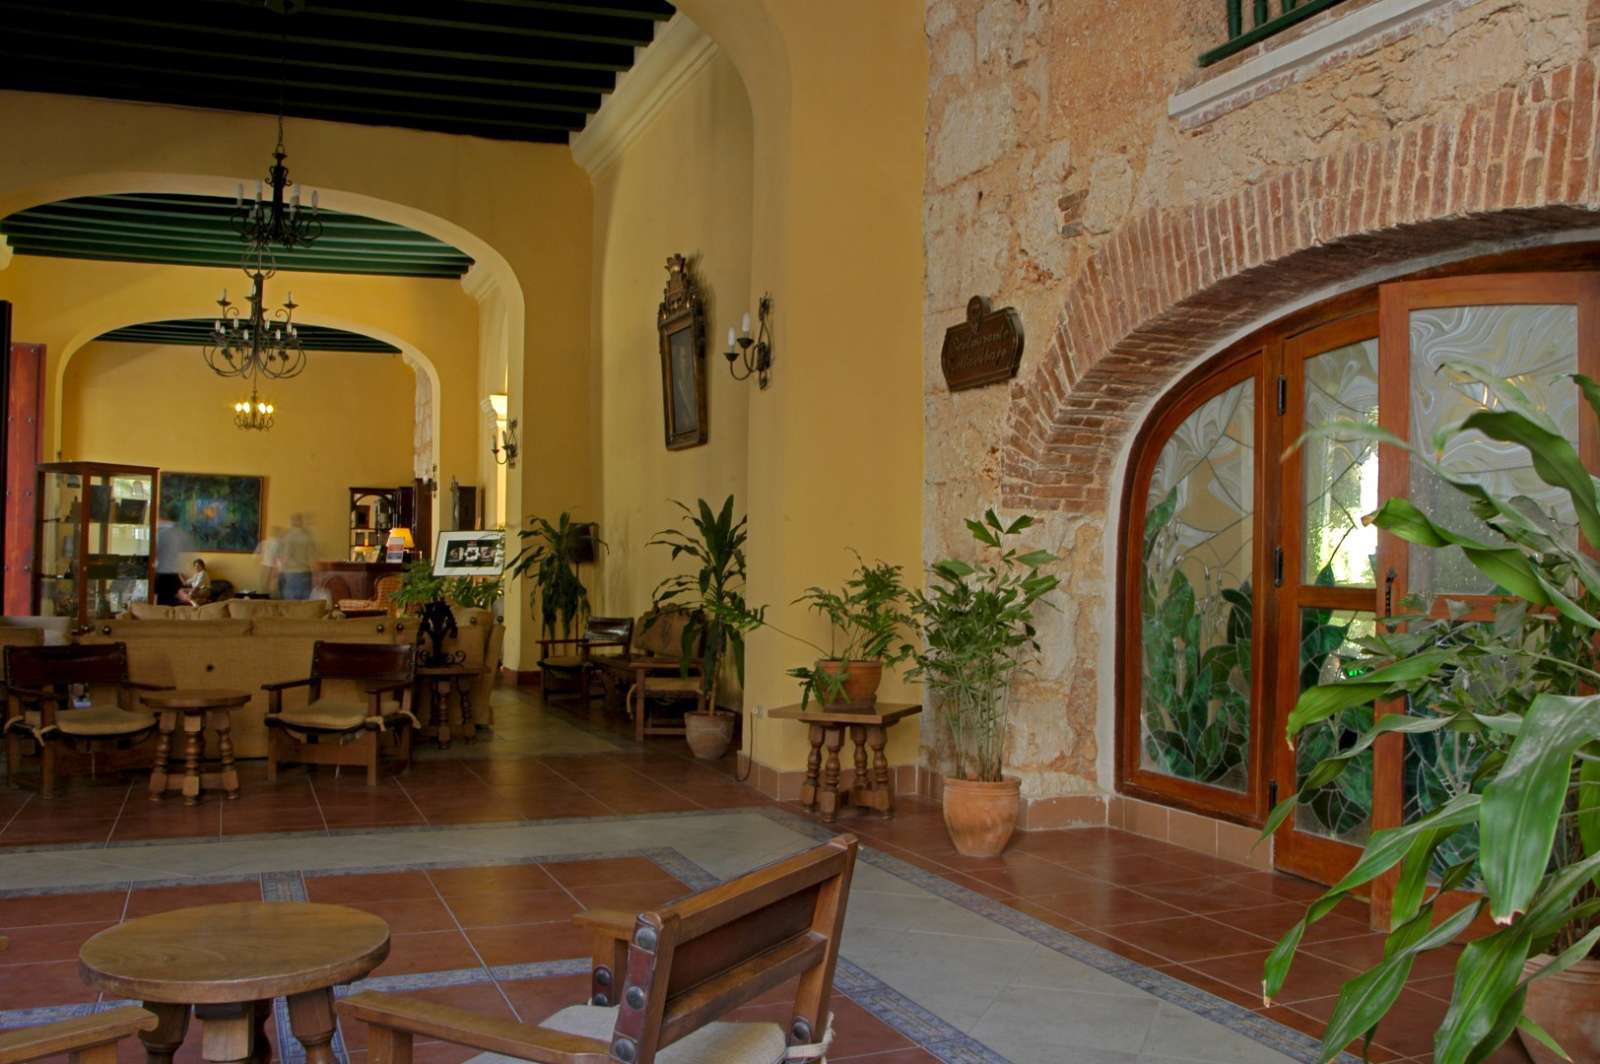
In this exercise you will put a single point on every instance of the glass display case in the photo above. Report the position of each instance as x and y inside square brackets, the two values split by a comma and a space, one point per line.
[96, 539]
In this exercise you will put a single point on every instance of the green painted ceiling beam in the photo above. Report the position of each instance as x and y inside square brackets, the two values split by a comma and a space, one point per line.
[297, 259]
[30, 226]
[196, 332]
[284, 264]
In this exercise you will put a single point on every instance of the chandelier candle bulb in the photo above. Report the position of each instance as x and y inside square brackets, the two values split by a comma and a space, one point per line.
[744, 324]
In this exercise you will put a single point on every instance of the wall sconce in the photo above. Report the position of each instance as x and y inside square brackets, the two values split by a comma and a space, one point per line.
[755, 352]
[503, 444]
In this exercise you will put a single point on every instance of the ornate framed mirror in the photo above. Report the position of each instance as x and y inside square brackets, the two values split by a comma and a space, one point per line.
[681, 323]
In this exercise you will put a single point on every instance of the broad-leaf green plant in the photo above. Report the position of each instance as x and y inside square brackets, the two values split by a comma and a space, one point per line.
[868, 620]
[558, 594]
[975, 620]
[1520, 685]
[418, 585]
[712, 592]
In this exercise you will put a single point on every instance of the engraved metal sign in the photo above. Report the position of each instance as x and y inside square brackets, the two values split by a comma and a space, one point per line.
[984, 349]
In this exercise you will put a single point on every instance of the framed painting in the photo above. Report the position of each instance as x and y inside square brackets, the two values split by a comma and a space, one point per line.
[681, 324]
[220, 512]
[470, 554]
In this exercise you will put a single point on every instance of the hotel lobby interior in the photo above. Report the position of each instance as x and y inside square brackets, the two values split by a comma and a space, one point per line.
[762, 531]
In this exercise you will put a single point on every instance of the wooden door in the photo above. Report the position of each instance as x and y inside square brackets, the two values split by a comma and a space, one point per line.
[24, 416]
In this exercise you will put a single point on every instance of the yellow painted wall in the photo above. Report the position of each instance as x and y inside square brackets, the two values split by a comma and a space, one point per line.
[160, 406]
[682, 187]
[523, 210]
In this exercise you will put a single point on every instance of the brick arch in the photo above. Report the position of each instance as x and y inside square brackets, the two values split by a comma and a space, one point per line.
[1171, 283]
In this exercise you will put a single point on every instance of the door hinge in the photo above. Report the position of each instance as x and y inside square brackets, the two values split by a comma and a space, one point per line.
[1272, 793]
[1277, 566]
[1283, 395]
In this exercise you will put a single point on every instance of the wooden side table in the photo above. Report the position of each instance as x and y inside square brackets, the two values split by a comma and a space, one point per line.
[199, 709]
[440, 681]
[228, 962]
[872, 787]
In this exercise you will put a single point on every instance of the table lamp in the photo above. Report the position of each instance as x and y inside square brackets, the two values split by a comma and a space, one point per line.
[398, 544]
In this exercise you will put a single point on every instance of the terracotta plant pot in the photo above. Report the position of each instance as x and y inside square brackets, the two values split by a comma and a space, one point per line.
[861, 680]
[981, 816]
[1567, 1005]
[709, 734]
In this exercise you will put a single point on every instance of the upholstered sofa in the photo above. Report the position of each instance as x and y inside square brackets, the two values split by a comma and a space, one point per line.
[253, 646]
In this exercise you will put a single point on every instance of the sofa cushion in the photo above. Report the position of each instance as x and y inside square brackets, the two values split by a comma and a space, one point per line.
[332, 629]
[297, 609]
[327, 714]
[661, 633]
[57, 630]
[133, 630]
[149, 611]
[715, 1043]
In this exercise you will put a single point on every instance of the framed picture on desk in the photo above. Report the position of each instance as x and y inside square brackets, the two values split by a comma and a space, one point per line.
[480, 553]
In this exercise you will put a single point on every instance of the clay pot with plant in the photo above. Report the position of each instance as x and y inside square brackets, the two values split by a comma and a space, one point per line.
[712, 593]
[867, 623]
[976, 623]
[1515, 849]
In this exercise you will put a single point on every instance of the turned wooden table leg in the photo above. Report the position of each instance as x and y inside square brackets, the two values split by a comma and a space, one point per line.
[311, 1019]
[858, 736]
[441, 710]
[809, 789]
[219, 721]
[227, 1032]
[263, 1010]
[172, 1023]
[193, 741]
[469, 727]
[831, 799]
[167, 721]
[878, 737]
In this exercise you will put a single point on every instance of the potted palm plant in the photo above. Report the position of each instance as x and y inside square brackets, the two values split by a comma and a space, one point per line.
[1519, 843]
[976, 624]
[867, 620]
[549, 551]
[712, 594]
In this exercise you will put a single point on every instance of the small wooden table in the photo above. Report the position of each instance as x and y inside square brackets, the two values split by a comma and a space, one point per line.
[871, 789]
[441, 680]
[200, 709]
[228, 962]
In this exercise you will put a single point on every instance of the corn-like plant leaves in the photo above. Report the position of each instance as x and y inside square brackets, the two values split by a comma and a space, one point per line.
[1554, 459]
[1486, 976]
[1328, 769]
[1504, 1025]
[1276, 968]
[1542, 1036]
[1567, 957]
[1412, 887]
[1550, 912]
[1365, 999]
[1589, 806]
[1321, 702]
[1522, 805]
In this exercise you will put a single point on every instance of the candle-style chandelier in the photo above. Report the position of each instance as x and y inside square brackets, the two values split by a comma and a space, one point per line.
[253, 341]
[254, 412]
[279, 218]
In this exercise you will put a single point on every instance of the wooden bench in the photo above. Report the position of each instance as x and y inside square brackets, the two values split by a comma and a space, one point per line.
[84, 1039]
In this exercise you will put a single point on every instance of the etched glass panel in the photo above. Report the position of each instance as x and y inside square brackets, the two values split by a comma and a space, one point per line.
[1534, 348]
[1438, 766]
[1342, 809]
[1197, 598]
[1340, 471]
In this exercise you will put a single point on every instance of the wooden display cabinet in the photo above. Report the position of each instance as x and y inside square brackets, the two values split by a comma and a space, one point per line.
[96, 539]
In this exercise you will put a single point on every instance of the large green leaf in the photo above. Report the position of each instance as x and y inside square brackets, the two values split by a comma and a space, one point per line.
[1554, 459]
[1589, 805]
[1487, 975]
[1522, 805]
[1320, 703]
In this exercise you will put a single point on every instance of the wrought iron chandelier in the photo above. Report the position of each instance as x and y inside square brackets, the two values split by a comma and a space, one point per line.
[279, 218]
[254, 412]
[253, 341]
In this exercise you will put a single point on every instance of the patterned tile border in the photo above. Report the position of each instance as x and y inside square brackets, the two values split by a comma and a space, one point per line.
[1293, 1044]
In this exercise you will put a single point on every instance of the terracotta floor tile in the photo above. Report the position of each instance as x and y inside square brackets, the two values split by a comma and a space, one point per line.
[44, 942]
[1363, 951]
[1273, 920]
[558, 940]
[1032, 880]
[1188, 939]
[535, 999]
[1210, 894]
[1135, 869]
[146, 901]
[1101, 905]
[96, 907]
[497, 879]
[512, 907]
[429, 951]
[1309, 977]
[1105, 941]
[380, 885]
[29, 986]
[605, 870]
[406, 915]
[1216, 987]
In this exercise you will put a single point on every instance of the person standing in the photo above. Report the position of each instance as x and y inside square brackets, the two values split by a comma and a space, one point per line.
[296, 552]
[172, 543]
[267, 552]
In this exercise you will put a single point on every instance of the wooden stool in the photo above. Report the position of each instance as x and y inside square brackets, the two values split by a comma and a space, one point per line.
[228, 962]
[200, 709]
[440, 681]
[872, 787]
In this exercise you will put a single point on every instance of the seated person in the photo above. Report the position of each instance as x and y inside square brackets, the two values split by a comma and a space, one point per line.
[197, 588]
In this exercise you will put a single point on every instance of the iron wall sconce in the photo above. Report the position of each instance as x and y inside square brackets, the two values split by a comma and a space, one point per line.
[504, 449]
[754, 352]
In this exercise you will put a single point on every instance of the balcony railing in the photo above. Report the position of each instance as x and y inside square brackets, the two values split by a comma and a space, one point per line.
[1263, 23]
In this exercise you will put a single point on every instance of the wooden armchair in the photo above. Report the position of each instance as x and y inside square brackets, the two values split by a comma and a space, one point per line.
[679, 969]
[575, 663]
[84, 1039]
[342, 728]
[41, 711]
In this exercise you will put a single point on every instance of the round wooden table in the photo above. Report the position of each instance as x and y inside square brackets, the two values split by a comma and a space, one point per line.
[199, 709]
[228, 962]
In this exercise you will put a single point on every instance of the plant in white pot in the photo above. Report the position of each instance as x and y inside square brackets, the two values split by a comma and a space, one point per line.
[1518, 841]
[976, 624]
[718, 616]
[867, 623]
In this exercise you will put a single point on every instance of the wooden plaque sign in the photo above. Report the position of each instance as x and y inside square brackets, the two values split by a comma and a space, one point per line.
[984, 349]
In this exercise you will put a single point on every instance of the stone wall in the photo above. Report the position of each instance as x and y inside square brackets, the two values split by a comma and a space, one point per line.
[1134, 242]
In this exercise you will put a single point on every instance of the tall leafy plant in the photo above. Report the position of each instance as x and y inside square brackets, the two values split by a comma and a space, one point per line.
[1521, 685]
[712, 592]
[548, 552]
[868, 619]
[976, 623]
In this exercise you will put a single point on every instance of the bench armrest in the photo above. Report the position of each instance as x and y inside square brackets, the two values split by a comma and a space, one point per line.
[392, 1018]
[607, 921]
[140, 685]
[284, 685]
[71, 1036]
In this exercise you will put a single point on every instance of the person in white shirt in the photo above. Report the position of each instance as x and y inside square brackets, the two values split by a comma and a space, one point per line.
[194, 589]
